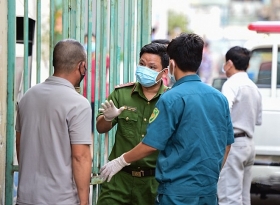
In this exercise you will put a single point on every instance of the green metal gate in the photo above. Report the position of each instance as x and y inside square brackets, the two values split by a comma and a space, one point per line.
[121, 27]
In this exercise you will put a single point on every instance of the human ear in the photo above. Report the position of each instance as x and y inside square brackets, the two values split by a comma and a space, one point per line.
[230, 63]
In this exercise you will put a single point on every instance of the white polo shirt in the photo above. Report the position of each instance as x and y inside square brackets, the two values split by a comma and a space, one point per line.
[51, 116]
[245, 103]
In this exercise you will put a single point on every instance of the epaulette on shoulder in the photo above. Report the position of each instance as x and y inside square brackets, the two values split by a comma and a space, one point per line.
[125, 85]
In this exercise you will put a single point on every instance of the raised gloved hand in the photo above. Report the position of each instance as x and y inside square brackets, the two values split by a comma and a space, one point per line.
[109, 110]
[112, 167]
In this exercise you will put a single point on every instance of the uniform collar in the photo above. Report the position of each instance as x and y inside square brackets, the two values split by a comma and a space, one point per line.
[59, 80]
[138, 88]
[187, 78]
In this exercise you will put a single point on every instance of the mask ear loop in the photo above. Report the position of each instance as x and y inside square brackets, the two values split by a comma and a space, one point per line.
[173, 66]
[159, 73]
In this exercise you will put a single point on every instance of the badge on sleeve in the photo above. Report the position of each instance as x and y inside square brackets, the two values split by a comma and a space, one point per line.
[154, 115]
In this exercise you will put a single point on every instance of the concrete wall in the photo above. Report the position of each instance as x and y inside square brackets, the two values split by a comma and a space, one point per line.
[3, 95]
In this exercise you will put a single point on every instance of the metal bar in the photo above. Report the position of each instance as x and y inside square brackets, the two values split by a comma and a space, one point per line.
[89, 54]
[146, 21]
[96, 153]
[38, 42]
[103, 38]
[80, 37]
[116, 77]
[97, 136]
[139, 29]
[126, 40]
[78, 22]
[82, 20]
[113, 57]
[102, 69]
[11, 5]
[132, 40]
[119, 17]
[73, 18]
[65, 21]
[51, 46]
[26, 41]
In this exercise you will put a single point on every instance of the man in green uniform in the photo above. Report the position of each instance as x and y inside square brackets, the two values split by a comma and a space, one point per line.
[130, 106]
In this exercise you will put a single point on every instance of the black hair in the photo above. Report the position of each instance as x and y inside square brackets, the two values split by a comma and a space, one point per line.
[161, 41]
[186, 51]
[239, 56]
[67, 54]
[158, 49]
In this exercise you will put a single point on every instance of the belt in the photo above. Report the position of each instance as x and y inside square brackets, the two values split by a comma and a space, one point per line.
[139, 172]
[242, 134]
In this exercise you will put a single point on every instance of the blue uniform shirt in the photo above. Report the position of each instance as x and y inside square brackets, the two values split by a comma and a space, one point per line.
[191, 126]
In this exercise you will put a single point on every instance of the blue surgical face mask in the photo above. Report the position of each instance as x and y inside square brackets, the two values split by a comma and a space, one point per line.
[146, 76]
[92, 47]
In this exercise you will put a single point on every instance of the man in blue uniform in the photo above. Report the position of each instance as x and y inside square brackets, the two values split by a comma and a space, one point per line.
[192, 129]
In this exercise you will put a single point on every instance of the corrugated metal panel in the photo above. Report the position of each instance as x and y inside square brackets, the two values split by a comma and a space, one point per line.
[122, 27]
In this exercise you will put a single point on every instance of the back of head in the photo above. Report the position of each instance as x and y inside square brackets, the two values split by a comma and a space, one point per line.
[67, 54]
[161, 41]
[158, 49]
[186, 50]
[239, 56]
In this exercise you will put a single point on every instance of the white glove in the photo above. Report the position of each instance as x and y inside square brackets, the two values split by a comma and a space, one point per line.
[112, 168]
[110, 111]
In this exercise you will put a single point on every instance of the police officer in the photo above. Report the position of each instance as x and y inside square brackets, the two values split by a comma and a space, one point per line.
[130, 106]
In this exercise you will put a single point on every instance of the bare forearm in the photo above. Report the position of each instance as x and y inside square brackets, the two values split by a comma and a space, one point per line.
[18, 144]
[138, 152]
[226, 154]
[82, 172]
[102, 125]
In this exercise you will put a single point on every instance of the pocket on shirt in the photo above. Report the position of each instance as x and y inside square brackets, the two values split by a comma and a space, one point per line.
[128, 123]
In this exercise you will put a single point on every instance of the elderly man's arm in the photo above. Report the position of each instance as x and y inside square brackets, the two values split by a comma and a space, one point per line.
[81, 162]
[17, 145]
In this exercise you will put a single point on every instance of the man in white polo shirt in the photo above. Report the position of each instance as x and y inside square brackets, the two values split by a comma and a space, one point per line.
[53, 134]
[245, 103]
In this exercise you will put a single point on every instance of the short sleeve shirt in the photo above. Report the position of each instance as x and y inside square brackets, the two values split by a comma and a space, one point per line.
[245, 103]
[51, 116]
[133, 121]
[191, 127]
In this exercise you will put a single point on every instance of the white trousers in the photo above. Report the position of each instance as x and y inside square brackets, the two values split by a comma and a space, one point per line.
[235, 178]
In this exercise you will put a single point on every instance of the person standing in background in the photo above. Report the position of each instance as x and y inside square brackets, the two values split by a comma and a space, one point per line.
[245, 103]
[129, 107]
[53, 134]
[93, 72]
[205, 69]
[192, 129]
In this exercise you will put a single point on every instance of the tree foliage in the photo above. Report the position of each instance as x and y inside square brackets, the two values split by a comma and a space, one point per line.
[177, 23]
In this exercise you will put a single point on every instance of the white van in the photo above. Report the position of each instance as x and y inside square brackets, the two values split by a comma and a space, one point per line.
[264, 70]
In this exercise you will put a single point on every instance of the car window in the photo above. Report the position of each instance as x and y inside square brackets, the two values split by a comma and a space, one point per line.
[260, 67]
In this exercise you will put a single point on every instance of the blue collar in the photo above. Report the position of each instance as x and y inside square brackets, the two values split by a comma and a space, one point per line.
[187, 78]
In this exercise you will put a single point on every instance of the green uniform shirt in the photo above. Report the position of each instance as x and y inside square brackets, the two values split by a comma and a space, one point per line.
[133, 121]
